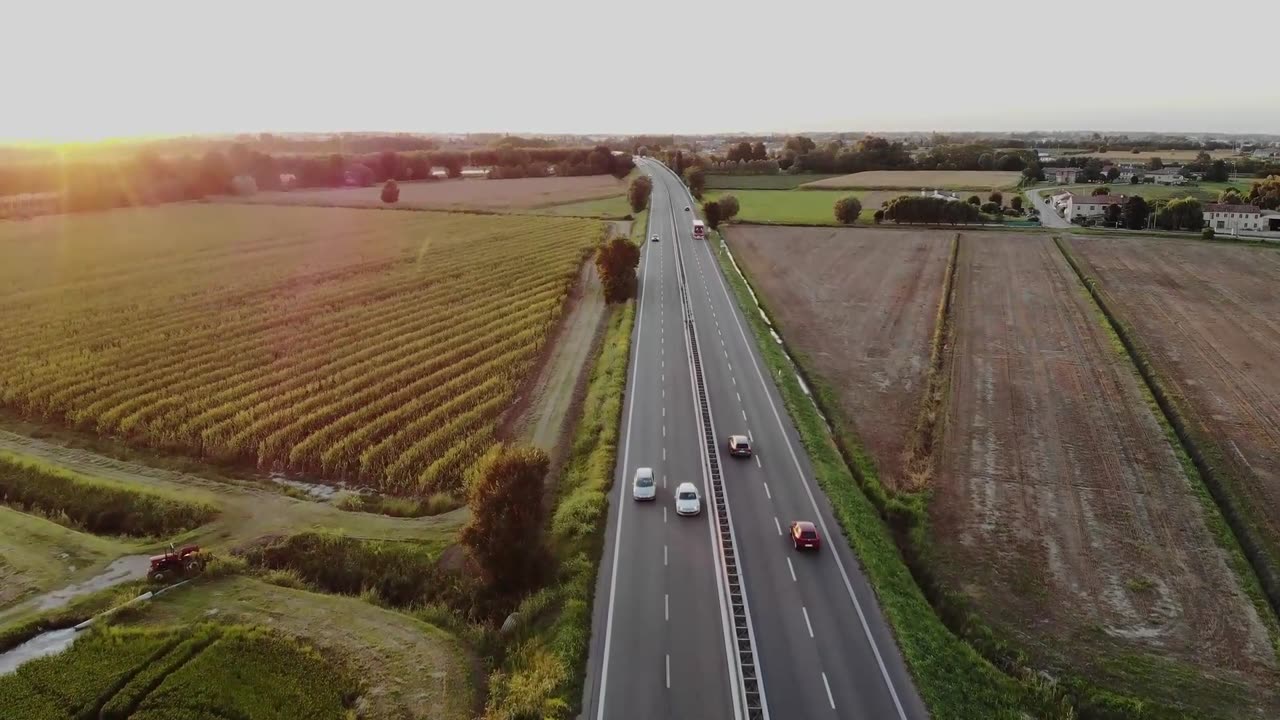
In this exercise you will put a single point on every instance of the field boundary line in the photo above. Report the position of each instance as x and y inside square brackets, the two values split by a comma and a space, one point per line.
[1253, 546]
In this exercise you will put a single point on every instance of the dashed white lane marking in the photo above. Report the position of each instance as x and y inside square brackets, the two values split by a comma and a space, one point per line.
[777, 525]
[829, 698]
[744, 415]
[824, 678]
[750, 437]
[664, 507]
[730, 366]
[734, 379]
[664, 411]
[758, 462]
[664, 559]
[739, 396]
[766, 491]
[790, 567]
[664, 453]
[806, 620]
[666, 607]
[664, 431]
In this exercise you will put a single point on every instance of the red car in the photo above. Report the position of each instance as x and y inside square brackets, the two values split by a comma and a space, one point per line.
[804, 536]
[739, 446]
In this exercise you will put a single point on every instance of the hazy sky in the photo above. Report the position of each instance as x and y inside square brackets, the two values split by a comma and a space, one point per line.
[86, 70]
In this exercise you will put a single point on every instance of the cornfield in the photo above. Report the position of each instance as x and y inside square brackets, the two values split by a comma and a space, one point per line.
[375, 347]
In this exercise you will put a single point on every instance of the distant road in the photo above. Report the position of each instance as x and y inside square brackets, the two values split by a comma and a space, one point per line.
[661, 640]
[1049, 217]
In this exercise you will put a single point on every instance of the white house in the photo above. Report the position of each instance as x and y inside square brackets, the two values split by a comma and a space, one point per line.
[1268, 153]
[1128, 172]
[1167, 176]
[1085, 206]
[1064, 176]
[938, 194]
[1234, 218]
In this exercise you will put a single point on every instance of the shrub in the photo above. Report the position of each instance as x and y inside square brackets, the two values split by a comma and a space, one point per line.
[878, 216]
[95, 505]
[711, 213]
[996, 197]
[728, 207]
[1207, 233]
[505, 533]
[990, 208]
[847, 209]
[616, 261]
[1016, 202]
[974, 200]
[390, 192]
[639, 191]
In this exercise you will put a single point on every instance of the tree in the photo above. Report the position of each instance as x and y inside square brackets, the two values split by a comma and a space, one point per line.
[1230, 196]
[621, 165]
[1113, 173]
[361, 175]
[215, 174]
[711, 213]
[759, 151]
[390, 191]
[799, 144]
[1135, 213]
[639, 192]
[1103, 190]
[337, 170]
[419, 167]
[390, 165]
[1011, 163]
[1134, 179]
[1155, 163]
[974, 200]
[1266, 193]
[990, 208]
[1217, 172]
[1016, 202]
[1182, 214]
[996, 197]
[505, 533]
[616, 261]
[696, 179]
[1113, 214]
[878, 216]
[728, 206]
[1093, 170]
[847, 209]
[1033, 172]
[986, 161]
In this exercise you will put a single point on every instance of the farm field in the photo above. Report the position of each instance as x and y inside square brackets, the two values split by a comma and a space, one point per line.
[376, 348]
[1062, 510]
[762, 182]
[463, 194]
[1060, 506]
[914, 180]
[1207, 316]
[860, 306]
[610, 207]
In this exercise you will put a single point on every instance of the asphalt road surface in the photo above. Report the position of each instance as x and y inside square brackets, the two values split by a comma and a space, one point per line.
[662, 641]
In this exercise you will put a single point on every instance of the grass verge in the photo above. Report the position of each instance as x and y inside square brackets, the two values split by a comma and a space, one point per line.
[955, 681]
[92, 504]
[541, 674]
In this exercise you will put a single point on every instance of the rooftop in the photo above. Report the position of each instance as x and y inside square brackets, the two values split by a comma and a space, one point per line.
[1099, 199]
[1222, 208]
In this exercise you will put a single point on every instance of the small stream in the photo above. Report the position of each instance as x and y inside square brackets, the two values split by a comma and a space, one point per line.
[315, 490]
[49, 643]
[130, 567]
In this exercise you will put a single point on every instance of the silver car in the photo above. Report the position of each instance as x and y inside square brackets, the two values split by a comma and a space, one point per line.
[687, 500]
[643, 487]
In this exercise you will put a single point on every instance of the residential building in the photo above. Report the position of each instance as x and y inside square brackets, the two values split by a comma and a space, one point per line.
[938, 194]
[1233, 218]
[1167, 176]
[1086, 206]
[1067, 175]
[1269, 153]
[29, 205]
[1128, 172]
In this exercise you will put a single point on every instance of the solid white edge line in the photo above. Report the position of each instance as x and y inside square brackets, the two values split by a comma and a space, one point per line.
[807, 624]
[804, 481]
[737, 683]
[621, 482]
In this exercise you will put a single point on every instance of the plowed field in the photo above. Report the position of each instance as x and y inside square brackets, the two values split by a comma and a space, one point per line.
[860, 305]
[1061, 508]
[467, 194]
[1208, 317]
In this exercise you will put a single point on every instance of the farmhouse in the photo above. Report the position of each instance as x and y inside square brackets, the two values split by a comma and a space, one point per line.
[1167, 176]
[1128, 172]
[1066, 175]
[29, 204]
[1082, 206]
[1233, 218]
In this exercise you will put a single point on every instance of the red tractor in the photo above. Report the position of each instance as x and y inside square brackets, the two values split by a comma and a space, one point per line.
[182, 562]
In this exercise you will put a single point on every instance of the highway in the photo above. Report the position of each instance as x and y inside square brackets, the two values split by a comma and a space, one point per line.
[664, 643]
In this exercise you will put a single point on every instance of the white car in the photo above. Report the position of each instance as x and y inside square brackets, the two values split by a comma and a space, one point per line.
[687, 500]
[643, 487]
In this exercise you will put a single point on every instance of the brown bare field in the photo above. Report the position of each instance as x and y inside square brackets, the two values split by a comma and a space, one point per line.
[1061, 509]
[860, 306]
[981, 180]
[463, 194]
[1208, 317]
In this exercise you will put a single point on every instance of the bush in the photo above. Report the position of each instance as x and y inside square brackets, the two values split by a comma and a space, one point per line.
[94, 505]
[996, 197]
[390, 192]
[729, 207]
[639, 191]
[711, 213]
[847, 210]
[1207, 233]
[990, 208]
[616, 261]
[974, 200]
[878, 216]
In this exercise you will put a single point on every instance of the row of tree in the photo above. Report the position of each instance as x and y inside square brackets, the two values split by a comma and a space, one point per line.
[913, 209]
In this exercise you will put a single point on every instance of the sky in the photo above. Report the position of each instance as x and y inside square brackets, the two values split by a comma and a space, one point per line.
[78, 70]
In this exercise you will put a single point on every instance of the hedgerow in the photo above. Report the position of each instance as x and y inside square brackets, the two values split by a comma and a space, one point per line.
[93, 505]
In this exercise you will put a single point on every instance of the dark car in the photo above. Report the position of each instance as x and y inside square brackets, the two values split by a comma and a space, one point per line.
[654, 238]
[739, 446]
[804, 536]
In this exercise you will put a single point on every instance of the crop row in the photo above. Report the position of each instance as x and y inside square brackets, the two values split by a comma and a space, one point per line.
[377, 347]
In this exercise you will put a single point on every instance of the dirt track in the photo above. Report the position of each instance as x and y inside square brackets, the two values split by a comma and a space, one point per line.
[1208, 317]
[1061, 508]
[860, 305]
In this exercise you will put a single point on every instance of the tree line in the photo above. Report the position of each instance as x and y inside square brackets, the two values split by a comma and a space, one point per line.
[149, 178]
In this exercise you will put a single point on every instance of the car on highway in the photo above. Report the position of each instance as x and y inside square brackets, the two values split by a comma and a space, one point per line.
[686, 208]
[739, 446]
[654, 238]
[643, 487]
[804, 536]
[687, 500]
